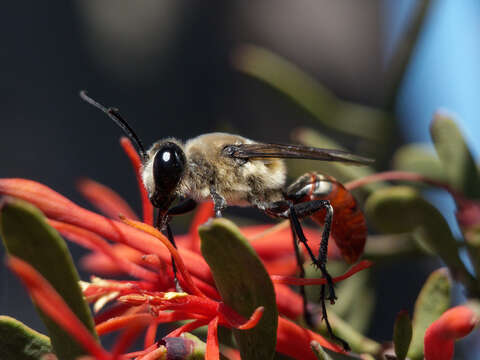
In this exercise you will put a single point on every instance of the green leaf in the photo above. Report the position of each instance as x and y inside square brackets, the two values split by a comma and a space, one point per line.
[400, 209]
[27, 236]
[360, 320]
[402, 334]
[419, 159]
[309, 94]
[357, 341]
[385, 248]
[244, 285]
[348, 293]
[433, 301]
[19, 342]
[403, 52]
[455, 156]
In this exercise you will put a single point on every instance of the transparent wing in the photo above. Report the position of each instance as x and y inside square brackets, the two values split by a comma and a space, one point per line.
[262, 151]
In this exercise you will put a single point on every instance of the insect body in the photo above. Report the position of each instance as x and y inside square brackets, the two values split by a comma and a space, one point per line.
[348, 225]
[211, 172]
[233, 170]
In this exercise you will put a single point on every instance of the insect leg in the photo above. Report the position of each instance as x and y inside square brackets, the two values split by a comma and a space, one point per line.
[219, 202]
[327, 323]
[294, 213]
[174, 266]
[306, 312]
[305, 209]
[163, 224]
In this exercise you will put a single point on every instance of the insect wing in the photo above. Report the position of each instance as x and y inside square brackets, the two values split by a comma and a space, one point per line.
[260, 151]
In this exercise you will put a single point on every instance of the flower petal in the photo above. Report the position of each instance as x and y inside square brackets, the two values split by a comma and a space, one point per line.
[440, 336]
[121, 322]
[289, 280]
[137, 166]
[53, 305]
[204, 212]
[93, 241]
[188, 327]
[58, 207]
[294, 341]
[213, 351]
[192, 287]
[107, 201]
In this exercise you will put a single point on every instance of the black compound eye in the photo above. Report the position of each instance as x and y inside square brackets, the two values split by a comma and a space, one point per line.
[168, 168]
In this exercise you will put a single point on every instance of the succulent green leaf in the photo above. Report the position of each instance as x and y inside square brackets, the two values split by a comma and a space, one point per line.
[27, 236]
[404, 50]
[457, 160]
[319, 352]
[309, 94]
[419, 159]
[433, 301]
[353, 295]
[400, 209]
[391, 246]
[357, 341]
[19, 342]
[402, 334]
[361, 320]
[244, 285]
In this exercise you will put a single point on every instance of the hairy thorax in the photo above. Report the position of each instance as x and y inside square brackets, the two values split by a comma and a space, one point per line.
[238, 181]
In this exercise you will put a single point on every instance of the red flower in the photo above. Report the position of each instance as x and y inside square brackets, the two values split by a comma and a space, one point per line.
[148, 301]
[440, 336]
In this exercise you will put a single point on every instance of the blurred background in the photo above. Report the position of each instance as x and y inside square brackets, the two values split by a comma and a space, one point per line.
[181, 68]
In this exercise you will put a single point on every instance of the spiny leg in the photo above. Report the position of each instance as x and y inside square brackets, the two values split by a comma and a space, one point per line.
[306, 312]
[286, 209]
[321, 261]
[327, 323]
[219, 202]
[303, 210]
[163, 223]
[174, 266]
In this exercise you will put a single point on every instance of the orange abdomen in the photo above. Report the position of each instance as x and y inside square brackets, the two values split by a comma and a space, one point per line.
[349, 229]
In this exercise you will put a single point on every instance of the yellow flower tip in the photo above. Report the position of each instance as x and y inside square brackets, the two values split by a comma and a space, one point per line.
[173, 295]
[83, 285]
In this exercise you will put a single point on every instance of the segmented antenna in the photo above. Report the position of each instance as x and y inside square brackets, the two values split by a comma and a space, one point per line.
[122, 123]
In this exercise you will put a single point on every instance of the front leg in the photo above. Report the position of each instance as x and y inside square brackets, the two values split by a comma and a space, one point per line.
[219, 202]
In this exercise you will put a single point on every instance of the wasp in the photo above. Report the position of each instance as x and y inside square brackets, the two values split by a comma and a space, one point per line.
[231, 170]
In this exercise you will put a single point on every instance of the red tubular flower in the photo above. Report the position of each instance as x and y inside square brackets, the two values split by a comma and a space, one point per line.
[440, 336]
[137, 166]
[212, 352]
[141, 251]
[107, 201]
[204, 213]
[94, 242]
[294, 341]
[165, 307]
[57, 207]
[289, 280]
[52, 304]
[173, 251]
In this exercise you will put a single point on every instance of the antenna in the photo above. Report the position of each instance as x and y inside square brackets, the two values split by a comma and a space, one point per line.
[114, 114]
